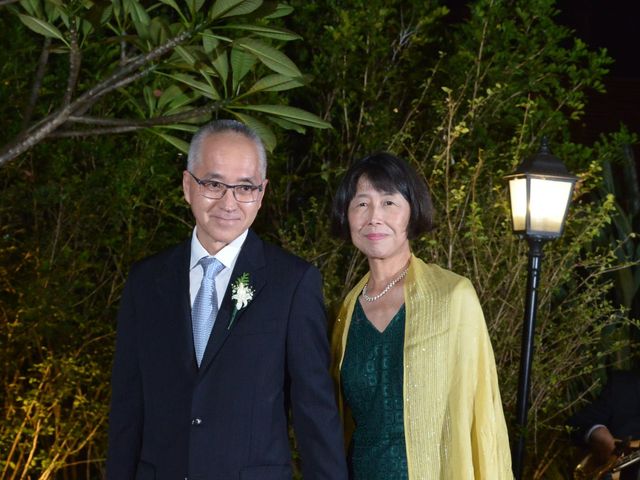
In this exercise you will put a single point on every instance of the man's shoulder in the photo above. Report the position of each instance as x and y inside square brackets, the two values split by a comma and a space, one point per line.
[280, 259]
[275, 251]
[173, 254]
[624, 379]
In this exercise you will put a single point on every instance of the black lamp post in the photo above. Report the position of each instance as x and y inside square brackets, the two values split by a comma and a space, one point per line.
[540, 192]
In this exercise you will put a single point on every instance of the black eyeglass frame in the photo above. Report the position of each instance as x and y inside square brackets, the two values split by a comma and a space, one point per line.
[204, 183]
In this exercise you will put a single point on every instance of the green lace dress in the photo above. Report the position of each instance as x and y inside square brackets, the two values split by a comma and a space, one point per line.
[371, 379]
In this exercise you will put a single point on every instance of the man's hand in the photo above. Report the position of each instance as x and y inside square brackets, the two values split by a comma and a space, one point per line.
[602, 444]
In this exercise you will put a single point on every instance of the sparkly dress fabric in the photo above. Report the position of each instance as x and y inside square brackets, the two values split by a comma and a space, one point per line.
[372, 386]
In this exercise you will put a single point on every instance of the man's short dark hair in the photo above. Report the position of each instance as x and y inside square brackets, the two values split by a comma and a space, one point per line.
[387, 173]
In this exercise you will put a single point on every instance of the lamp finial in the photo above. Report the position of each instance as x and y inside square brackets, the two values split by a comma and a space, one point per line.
[544, 146]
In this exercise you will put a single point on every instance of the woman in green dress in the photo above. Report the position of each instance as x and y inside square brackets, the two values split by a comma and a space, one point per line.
[412, 358]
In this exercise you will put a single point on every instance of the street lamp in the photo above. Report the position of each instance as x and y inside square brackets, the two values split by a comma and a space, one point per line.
[540, 192]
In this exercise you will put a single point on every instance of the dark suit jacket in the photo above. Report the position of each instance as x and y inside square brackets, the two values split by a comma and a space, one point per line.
[227, 420]
[617, 407]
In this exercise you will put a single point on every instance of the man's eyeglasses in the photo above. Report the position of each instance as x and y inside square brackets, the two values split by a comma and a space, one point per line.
[215, 190]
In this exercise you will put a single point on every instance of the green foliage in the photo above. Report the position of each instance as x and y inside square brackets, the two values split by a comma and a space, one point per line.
[69, 232]
[162, 66]
[624, 187]
[464, 103]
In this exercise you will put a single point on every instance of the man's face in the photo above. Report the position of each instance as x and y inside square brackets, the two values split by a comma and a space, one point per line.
[233, 159]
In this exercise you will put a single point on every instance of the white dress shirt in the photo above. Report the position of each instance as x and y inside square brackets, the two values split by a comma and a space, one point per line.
[227, 256]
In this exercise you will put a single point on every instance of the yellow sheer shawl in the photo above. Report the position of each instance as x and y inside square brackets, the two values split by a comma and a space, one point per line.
[453, 419]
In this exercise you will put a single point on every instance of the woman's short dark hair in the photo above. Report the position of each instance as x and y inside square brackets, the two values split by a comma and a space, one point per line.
[387, 173]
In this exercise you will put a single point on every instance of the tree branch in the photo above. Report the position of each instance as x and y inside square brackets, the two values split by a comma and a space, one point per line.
[37, 83]
[82, 108]
[34, 135]
[123, 125]
[94, 131]
[150, 122]
[136, 63]
[74, 63]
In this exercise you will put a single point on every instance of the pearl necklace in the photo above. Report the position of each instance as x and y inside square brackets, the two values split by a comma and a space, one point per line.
[386, 289]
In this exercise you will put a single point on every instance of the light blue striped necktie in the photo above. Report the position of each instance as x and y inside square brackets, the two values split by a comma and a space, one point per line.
[205, 306]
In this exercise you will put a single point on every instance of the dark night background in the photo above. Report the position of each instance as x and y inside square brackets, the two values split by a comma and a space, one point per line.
[610, 24]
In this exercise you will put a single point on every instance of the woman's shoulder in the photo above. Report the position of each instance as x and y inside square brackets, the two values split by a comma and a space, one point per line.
[438, 275]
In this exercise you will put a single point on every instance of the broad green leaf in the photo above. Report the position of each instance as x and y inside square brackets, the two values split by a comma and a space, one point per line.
[221, 64]
[272, 58]
[287, 125]
[270, 32]
[175, 141]
[150, 99]
[276, 83]
[229, 8]
[185, 55]
[282, 10]
[209, 33]
[208, 91]
[65, 19]
[263, 131]
[208, 77]
[182, 127]
[292, 114]
[52, 11]
[174, 5]
[85, 27]
[241, 63]
[144, 32]
[208, 71]
[41, 27]
[138, 13]
[195, 6]
[31, 6]
[179, 103]
[106, 15]
[244, 8]
[209, 41]
[168, 96]
[158, 31]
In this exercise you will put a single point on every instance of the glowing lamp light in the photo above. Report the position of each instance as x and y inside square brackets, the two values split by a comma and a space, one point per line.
[540, 192]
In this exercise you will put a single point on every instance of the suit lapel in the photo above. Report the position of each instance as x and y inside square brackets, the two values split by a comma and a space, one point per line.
[250, 260]
[172, 285]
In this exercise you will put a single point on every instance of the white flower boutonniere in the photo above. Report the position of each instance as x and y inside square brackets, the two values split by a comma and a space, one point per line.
[241, 294]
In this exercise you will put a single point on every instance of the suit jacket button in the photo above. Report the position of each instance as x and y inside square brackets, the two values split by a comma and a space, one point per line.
[196, 421]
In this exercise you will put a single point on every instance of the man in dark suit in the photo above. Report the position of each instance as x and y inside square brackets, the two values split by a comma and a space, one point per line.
[614, 414]
[201, 402]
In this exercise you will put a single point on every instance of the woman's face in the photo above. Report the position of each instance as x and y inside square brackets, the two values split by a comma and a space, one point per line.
[378, 221]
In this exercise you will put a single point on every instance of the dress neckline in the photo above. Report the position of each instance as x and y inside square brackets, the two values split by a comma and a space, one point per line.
[368, 322]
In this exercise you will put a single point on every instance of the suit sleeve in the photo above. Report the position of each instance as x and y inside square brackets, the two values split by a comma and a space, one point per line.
[315, 415]
[598, 412]
[125, 417]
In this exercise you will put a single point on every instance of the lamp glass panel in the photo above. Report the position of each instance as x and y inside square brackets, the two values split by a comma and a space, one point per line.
[518, 192]
[548, 204]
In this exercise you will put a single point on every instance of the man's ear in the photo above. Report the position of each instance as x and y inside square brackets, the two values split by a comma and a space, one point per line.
[186, 186]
